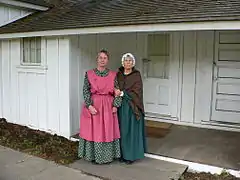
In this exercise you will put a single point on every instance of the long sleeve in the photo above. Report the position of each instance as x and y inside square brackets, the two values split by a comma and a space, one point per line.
[117, 100]
[87, 92]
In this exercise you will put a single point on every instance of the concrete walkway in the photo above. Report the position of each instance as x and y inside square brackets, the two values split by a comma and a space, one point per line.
[15, 165]
[206, 146]
[146, 169]
[19, 166]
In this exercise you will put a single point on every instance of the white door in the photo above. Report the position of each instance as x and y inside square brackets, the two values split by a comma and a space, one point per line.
[226, 81]
[159, 95]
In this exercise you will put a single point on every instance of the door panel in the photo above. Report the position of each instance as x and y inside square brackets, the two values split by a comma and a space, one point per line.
[226, 81]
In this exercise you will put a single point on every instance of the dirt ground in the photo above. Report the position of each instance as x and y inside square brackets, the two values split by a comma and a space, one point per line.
[207, 176]
[62, 150]
[41, 144]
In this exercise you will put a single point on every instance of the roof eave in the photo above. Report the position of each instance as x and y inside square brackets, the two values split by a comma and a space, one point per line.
[24, 5]
[183, 26]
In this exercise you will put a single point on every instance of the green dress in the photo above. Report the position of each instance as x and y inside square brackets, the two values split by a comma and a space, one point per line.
[133, 143]
[98, 152]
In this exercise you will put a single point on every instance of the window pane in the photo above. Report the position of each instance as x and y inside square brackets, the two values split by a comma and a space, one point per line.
[158, 67]
[33, 56]
[38, 56]
[32, 50]
[158, 54]
[38, 50]
[26, 48]
[25, 55]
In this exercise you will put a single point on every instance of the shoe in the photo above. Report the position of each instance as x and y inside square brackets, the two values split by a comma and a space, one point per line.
[121, 160]
[128, 162]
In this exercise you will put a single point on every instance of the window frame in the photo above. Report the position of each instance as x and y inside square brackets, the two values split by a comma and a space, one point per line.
[34, 64]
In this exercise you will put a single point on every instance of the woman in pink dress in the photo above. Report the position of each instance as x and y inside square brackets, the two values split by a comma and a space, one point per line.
[99, 128]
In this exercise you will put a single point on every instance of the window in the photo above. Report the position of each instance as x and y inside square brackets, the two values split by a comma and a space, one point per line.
[158, 55]
[31, 49]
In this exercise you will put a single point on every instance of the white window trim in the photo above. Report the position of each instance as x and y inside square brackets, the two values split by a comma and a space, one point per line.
[42, 64]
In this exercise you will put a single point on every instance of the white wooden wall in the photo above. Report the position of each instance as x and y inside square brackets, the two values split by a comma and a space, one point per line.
[195, 69]
[50, 97]
[9, 14]
[37, 97]
[197, 63]
[209, 97]
[204, 75]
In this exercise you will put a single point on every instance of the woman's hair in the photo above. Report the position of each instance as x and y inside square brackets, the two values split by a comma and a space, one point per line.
[128, 55]
[104, 52]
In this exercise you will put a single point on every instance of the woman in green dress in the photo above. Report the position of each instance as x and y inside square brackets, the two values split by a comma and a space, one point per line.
[131, 111]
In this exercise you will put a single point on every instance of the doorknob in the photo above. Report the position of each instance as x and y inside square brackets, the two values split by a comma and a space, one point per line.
[145, 60]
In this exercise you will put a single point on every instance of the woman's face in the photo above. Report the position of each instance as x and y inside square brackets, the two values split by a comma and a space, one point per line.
[102, 59]
[128, 63]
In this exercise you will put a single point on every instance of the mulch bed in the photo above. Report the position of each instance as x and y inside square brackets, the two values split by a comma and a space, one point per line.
[207, 176]
[62, 150]
[37, 143]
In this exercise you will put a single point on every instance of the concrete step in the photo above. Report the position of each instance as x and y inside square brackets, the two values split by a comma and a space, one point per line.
[146, 169]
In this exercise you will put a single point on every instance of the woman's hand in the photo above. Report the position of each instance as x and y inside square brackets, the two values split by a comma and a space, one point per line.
[114, 109]
[92, 110]
[117, 92]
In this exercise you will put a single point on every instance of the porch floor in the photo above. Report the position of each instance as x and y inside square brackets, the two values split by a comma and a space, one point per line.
[212, 147]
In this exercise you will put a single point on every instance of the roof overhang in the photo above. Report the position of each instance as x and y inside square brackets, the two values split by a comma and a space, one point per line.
[188, 26]
[24, 5]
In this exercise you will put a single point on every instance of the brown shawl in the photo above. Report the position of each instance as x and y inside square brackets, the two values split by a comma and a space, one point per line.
[132, 84]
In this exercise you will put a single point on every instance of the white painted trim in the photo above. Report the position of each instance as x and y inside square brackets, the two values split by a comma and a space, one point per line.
[44, 130]
[203, 125]
[73, 139]
[180, 74]
[204, 68]
[175, 63]
[24, 5]
[159, 116]
[32, 69]
[220, 124]
[192, 166]
[187, 26]
[16, 18]
[196, 167]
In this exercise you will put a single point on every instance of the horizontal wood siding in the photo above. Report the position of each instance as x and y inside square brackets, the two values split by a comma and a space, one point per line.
[37, 97]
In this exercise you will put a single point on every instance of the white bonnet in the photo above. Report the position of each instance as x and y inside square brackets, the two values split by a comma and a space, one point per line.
[128, 55]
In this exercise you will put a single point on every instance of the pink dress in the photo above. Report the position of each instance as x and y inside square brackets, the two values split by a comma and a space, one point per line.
[102, 127]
